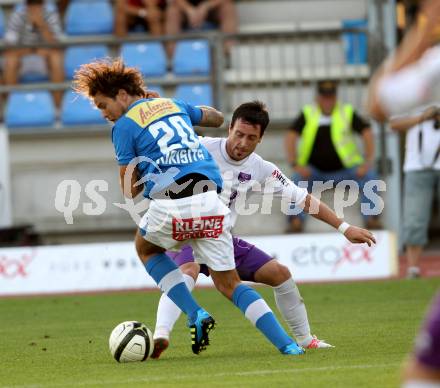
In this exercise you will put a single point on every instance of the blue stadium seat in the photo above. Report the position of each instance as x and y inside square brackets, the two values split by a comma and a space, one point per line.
[75, 56]
[195, 94]
[33, 68]
[29, 109]
[355, 44]
[2, 23]
[78, 110]
[94, 17]
[150, 58]
[192, 57]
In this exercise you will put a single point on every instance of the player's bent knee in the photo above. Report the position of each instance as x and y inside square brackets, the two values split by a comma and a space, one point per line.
[273, 274]
[283, 273]
[190, 269]
[278, 275]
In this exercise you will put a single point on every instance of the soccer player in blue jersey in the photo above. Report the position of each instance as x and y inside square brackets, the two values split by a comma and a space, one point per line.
[156, 145]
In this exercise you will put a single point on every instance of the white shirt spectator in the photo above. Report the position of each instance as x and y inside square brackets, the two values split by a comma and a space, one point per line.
[21, 31]
[422, 145]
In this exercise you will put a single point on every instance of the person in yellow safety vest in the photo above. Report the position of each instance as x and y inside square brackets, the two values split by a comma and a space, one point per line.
[321, 146]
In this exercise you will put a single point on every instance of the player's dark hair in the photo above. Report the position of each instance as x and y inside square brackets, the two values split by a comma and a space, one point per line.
[254, 112]
[107, 77]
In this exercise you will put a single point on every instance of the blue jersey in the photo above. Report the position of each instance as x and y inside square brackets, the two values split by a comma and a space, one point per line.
[157, 135]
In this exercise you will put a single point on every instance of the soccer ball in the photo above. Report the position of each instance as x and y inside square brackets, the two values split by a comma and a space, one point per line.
[131, 341]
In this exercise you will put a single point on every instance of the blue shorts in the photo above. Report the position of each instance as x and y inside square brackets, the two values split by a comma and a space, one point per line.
[248, 259]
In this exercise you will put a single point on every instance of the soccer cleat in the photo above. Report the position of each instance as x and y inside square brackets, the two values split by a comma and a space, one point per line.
[199, 330]
[316, 343]
[292, 349]
[160, 345]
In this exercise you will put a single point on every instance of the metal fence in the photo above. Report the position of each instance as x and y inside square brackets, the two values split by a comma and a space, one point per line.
[280, 68]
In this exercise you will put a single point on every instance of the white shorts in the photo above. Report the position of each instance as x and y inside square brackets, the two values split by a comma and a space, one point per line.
[202, 220]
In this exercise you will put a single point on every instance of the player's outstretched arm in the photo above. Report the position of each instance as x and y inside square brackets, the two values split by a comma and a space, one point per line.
[402, 124]
[322, 212]
[287, 190]
[211, 117]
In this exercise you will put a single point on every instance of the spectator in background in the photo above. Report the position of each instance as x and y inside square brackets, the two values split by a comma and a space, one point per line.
[130, 14]
[328, 150]
[422, 176]
[62, 7]
[193, 14]
[34, 23]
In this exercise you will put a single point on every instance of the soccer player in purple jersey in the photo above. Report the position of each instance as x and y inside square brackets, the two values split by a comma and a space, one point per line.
[423, 368]
[235, 156]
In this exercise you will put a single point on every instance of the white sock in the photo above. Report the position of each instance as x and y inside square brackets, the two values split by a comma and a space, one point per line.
[413, 270]
[168, 313]
[292, 308]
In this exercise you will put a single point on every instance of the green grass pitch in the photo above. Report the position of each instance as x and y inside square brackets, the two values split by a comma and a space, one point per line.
[63, 341]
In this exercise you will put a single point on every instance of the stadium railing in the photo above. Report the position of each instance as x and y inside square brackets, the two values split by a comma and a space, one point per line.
[280, 67]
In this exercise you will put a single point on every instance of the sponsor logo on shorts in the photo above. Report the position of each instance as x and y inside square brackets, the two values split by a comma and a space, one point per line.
[201, 227]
